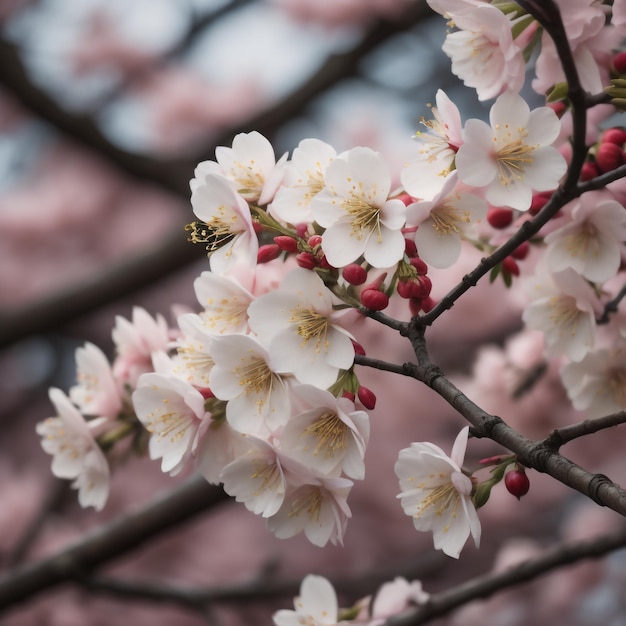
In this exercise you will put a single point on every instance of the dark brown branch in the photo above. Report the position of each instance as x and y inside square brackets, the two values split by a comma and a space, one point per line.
[531, 453]
[561, 436]
[611, 306]
[485, 586]
[404, 370]
[120, 536]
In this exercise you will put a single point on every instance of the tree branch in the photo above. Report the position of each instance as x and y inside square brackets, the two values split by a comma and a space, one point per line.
[611, 306]
[484, 586]
[561, 436]
[111, 540]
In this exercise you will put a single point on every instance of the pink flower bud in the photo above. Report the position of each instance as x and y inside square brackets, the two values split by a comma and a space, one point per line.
[288, 244]
[349, 395]
[324, 264]
[354, 274]
[302, 229]
[207, 394]
[499, 217]
[367, 397]
[558, 107]
[406, 198]
[374, 299]
[314, 240]
[517, 483]
[306, 260]
[268, 253]
[257, 227]
[538, 202]
[609, 156]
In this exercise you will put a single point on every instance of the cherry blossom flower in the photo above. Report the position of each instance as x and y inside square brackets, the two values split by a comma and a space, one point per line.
[96, 391]
[135, 341]
[329, 437]
[597, 383]
[437, 494]
[317, 507]
[590, 242]
[565, 312]
[225, 303]
[258, 397]
[304, 179]
[396, 596]
[75, 452]
[172, 411]
[513, 157]
[354, 209]
[256, 478]
[299, 326]
[483, 53]
[193, 361]
[315, 606]
[425, 176]
[443, 221]
[250, 165]
[226, 225]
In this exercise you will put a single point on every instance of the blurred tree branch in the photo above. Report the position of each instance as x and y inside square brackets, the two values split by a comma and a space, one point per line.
[173, 252]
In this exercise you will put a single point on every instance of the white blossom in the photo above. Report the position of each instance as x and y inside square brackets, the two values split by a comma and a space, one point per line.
[437, 494]
[315, 606]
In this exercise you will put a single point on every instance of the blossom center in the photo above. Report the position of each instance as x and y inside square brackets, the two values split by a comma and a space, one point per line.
[513, 158]
[564, 313]
[173, 425]
[310, 503]
[247, 178]
[215, 233]
[445, 219]
[310, 325]
[256, 377]
[580, 241]
[268, 475]
[330, 433]
[440, 498]
[363, 215]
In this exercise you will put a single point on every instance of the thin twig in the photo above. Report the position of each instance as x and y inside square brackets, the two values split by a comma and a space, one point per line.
[561, 436]
[485, 586]
[611, 306]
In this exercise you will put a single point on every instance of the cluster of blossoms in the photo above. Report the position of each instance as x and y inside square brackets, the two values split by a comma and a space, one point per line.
[258, 389]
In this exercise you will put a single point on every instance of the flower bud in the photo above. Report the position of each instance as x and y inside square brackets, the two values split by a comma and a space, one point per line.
[538, 202]
[517, 482]
[418, 287]
[358, 348]
[417, 305]
[374, 299]
[619, 63]
[521, 252]
[609, 156]
[354, 274]
[268, 253]
[207, 394]
[349, 395]
[410, 248]
[614, 135]
[510, 266]
[288, 244]
[314, 240]
[306, 260]
[367, 397]
[588, 171]
[499, 217]
[419, 265]
[302, 229]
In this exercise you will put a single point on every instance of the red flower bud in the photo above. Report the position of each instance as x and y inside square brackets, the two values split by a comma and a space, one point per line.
[349, 395]
[418, 287]
[374, 299]
[614, 135]
[619, 63]
[538, 202]
[517, 483]
[306, 260]
[207, 394]
[301, 230]
[256, 227]
[406, 198]
[499, 217]
[510, 266]
[354, 274]
[358, 348]
[521, 252]
[588, 171]
[609, 157]
[410, 248]
[324, 264]
[367, 397]
[268, 253]
[419, 265]
[417, 305]
[288, 244]
[558, 107]
[314, 240]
